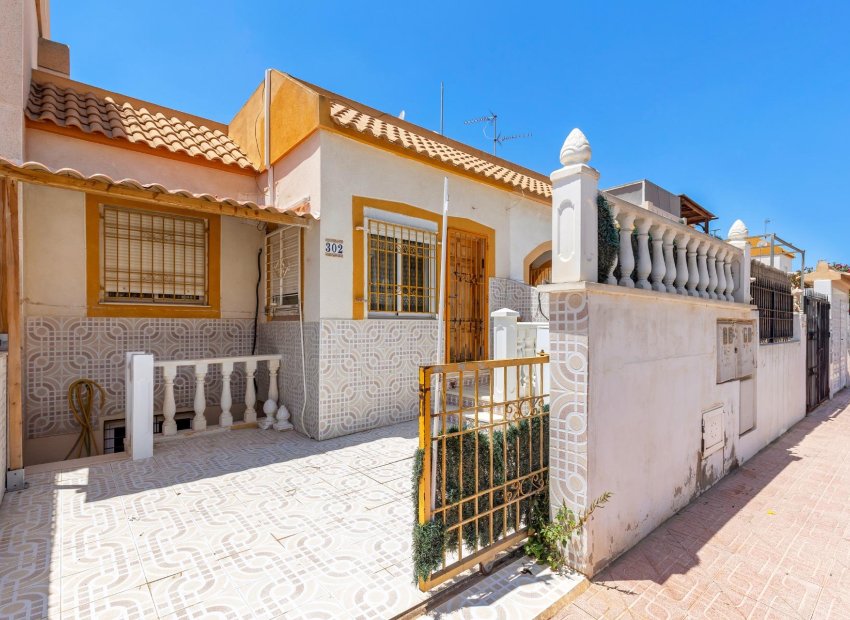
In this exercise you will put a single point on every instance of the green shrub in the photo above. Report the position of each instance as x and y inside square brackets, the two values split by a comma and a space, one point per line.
[607, 236]
[548, 541]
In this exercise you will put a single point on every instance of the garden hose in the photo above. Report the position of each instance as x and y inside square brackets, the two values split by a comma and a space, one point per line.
[81, 397]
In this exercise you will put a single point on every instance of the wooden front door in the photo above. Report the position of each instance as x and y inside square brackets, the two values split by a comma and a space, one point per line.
[466, 302]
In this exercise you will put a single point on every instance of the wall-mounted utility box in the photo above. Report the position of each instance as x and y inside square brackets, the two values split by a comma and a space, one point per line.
[736, 350]
[712, 431]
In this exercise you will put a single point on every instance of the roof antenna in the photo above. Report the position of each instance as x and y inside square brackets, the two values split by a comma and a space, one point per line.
[441, 108]
[498, 139]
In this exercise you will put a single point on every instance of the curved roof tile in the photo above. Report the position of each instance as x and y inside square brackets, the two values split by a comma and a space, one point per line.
[90, 113]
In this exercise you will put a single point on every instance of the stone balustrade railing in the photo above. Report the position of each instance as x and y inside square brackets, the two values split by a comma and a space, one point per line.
[671, 257]
[515, 339]
[140, 378]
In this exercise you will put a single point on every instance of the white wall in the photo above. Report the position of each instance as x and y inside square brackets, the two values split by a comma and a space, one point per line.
[652, 374]
[780, 391]
[298, 176]
[351, 168]
[839, 332]
[59, 151]
[54, 250]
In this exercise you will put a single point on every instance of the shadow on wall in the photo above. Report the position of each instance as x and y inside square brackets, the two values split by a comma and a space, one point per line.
[746, 517]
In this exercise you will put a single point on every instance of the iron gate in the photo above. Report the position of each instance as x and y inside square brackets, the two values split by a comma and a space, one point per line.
[484, 441]
[816, 307]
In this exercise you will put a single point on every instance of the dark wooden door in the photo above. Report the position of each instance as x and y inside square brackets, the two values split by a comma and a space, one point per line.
[466, 302]
[816, 307]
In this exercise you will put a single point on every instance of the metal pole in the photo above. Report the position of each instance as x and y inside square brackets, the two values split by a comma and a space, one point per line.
[441, 107]
[444, 250]
[772, 244]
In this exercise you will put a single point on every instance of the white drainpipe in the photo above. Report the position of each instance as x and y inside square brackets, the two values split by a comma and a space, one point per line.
[267, 92]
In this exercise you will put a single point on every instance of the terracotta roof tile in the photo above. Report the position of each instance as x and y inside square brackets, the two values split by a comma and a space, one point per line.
[104, 115]
[362, 122]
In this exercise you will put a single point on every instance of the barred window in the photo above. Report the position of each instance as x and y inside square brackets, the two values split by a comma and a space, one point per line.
[153, 257]
[283, 272]
[402, 269]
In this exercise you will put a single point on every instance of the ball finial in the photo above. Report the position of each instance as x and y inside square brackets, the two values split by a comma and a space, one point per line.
[738, 231]
[576, 149]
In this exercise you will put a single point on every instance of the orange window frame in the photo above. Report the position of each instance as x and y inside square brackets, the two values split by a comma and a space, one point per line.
[99, 308]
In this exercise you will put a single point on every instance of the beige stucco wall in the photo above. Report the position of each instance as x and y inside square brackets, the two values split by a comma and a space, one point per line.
[351, 168]
[298, 176]
[18, 53]
[54, 264]
[59, 151]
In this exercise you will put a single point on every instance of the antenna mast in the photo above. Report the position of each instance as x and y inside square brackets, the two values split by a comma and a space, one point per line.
[497, 138]
[441, 108]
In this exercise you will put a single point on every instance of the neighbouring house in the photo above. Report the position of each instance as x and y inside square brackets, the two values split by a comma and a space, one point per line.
[309, 226]
[834, 286]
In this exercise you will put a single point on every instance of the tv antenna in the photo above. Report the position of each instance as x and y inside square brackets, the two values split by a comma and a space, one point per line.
[497, 138]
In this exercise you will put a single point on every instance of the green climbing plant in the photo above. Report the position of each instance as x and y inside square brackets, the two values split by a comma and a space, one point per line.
[608, 239]
[548, 540]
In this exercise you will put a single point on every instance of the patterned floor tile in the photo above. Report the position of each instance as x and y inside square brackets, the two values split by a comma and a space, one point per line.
[94, 584]
[133, 604]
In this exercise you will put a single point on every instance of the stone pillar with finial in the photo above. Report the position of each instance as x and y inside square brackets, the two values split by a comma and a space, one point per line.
[738, 237]
[574, 225]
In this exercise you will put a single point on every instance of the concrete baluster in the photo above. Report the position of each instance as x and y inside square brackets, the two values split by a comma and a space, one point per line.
[199, 422]
[169, 407]
[226, 417]
[627, 257]
[659, 267]
[681, 263]
[250, 392]
[644, 263]
[711, 264]
[720, 291]
[702, 265]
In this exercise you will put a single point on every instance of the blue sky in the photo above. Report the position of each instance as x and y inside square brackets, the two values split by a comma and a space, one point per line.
[744, 106]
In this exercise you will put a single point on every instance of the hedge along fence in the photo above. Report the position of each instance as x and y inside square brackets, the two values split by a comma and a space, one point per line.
[608, 237]
[503, 456]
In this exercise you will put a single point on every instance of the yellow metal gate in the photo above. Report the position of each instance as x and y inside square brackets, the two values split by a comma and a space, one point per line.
[484, 433]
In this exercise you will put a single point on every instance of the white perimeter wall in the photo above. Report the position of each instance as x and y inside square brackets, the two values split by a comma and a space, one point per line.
[351, 168]
[652, 365]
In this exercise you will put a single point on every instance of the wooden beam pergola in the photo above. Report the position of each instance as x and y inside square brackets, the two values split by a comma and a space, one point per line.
[11, 299]
[151, 195]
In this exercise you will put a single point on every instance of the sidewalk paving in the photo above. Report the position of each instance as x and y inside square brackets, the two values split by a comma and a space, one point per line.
[771, 540]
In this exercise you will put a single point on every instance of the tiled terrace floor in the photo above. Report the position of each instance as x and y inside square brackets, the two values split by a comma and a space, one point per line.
[241, 524]
[771, 540]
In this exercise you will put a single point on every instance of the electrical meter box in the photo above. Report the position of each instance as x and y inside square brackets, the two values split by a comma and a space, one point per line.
[736, 351]
[712, 431]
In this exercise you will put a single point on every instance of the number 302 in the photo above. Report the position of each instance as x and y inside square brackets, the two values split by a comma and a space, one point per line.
[333, 247]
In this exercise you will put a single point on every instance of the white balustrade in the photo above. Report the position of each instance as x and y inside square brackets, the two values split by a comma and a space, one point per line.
[671, 256]
[515, 339]
[200, 369]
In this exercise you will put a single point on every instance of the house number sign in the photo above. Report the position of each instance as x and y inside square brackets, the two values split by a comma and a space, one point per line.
[333, 247]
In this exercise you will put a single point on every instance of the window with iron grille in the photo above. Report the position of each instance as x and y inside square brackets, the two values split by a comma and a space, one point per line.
[153, 257]
[771, 293]
[283, 272]
[402, 268]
